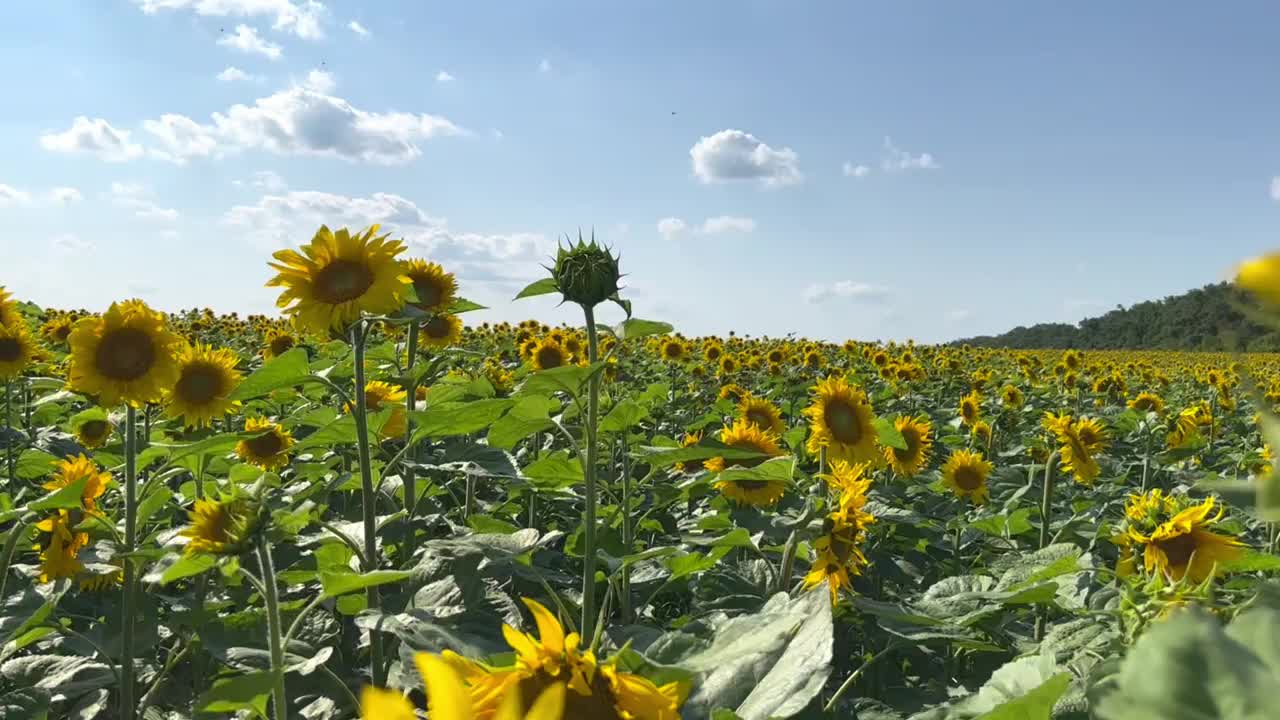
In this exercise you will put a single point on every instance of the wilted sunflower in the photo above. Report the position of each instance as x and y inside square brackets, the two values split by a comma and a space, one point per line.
[548, 353]
[442, 330]
[71, 470]
[966, 474]
[743, 435]
[59, 547]
[917, 433]
[1147, 402]
[16, 350]
[1184, 545]
[57, 329]
[219, 527]
[206, 378]
[762, 413]
[971, 408]
[378, 396]
[93, 432]
[595, 689]
[436, 289]
[840, 420]
[269, 449]
[339, 276]
[838, 554]
[278, 342]
[128, 354]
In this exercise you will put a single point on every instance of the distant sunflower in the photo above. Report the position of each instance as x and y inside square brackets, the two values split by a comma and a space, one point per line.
[338, 277]
[549, 353]
[1011, 397]
[378, 396]
[838, 554]
[436, 289]
[1145, 402]
[966, 474]
[269, 449]
[206, 378]
[690, 466]
[971, 408]
[728, 365]
[219, 527]
[59, 547]
[93, 432]
[734, 392]
[840, 419]
[72, 470]
[743, 435]
[763, 414]
[278, 342]
[127, 354]
[17, 350]
[57, 329]
[712, 351]
[917, 433]
[441, 331]
[673, 350]
[1184, 545]
[982, 433]
[813, 360]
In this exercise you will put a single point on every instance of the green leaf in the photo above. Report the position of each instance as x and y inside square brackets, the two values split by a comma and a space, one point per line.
[458, 418]
[34, 463]
[1252, 561]
[172, 568]
[28, 703]
[662, 456]
[624, 416]
[283, 370]
[1035, 705]
[70, 496]
[243, 692]
[1022, 689]
[68, 675]
[889, 435]
[538, 287]
[775, 470]
[555, 471]
[463, 305]
[802, 670]
[341, 583]
[637, 328]
[527, 416]
[566, 379]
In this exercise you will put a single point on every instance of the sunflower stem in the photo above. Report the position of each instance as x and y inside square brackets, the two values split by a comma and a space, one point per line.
[409, 471]
[8, 432]
[368, 503]
[127, 705]
[787, 563]
[10, 545]
[1046, 505]
[589, 481]
[279, 698]
[628, 532]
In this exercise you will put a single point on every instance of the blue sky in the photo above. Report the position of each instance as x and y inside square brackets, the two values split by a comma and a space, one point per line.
[834, 169]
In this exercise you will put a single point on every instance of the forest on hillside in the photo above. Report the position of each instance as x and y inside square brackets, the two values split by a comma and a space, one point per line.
[1207, 318]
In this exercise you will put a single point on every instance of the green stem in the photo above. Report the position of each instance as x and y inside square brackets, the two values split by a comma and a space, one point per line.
[409, 472]
[628, 532]
[589, 480]
[1046, 506]
[127, 705]
[265, 564]
[8, 432]
[10, 545]
[787, 563]
[367, 500]
[470, 499]
[853, 677]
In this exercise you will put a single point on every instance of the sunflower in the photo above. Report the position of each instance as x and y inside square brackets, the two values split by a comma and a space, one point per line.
[73, 469]
[966, 474]
[743, 435]
[219, 527]
[436, 289]
[841, 421]
[1055, 424]
[449, 698]
[971, 408]
[278, 342]
[59, 547]
[338, 277]
[838, 554]
[1184, 546]
[442, 330]
[57, 329]
[98, 581]
[1011, 396]
[93, 432]
[1145, 402]
[16, 350]
[763, 414]
[128, 354]
[690, 466]
[8, 308]
[734, 392]
[269, 449]
[206, 378]
[917, 433]
[596, 690]
[712, 351]
[728, 365]
[673, 350]
[813, 360]
[378, 396]
[549, 353]
[982, 432]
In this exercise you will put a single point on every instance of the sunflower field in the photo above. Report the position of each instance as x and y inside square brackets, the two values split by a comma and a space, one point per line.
[369, 508]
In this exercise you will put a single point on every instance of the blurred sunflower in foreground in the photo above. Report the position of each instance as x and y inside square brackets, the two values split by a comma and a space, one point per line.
[1175, 537]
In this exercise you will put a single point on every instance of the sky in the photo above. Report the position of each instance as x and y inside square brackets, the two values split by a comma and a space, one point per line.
[888, 170]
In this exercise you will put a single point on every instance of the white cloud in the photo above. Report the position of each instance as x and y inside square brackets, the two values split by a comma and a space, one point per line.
[731, 155]
[358, 29]
[233, 74]
[65, 195]
[137, 198]
[851, 170]
[544, 66]
[93, 136]
[247, 40]
[71, 243]
[11, 196]
[728, 223]
[264, 180]
[444, 77]
[847, 289]
[180, 138]
[303, 19]
[671, 227]
[320, 81]
[897, 159]
[1275, 188]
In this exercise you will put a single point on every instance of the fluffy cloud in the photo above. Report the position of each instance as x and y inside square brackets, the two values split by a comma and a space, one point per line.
[731, 155]
[851, 170]
[96, 137]
[896, 159]
[180, 138]
[846, 289]
[358, 29]
[303, 19]
[10, 196]
[673, 227]
[247, 40]
[234, 74]
[444, 77]
[65, 195]
[137, 198]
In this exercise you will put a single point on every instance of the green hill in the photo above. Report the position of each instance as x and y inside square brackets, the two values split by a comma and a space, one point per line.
[1208, 318]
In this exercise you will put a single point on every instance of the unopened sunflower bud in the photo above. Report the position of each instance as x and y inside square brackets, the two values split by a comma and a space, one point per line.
[586, 273]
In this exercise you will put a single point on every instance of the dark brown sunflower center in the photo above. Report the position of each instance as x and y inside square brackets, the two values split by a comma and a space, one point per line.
[969, 411]
[281, 344]
[775, 356]
[437, 327]
[912, 439]
[672, 351]
[752, 484]
[10, 349]
[760, 419]
[93, 429]
[265, 445]
[373, 400]
[1144, 404]
[125, 354]
[429, 293]
[62, 332]
[599, 705]
[1178, 549]
[968, 478]
[842, 420]
[713, 353]
[199, 384]
[549, 357]
[342, 280]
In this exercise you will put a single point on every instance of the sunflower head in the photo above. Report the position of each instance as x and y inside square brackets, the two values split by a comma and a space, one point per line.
[93, 429]
[586, 273]
[338, 277]
[57, 329]
[690, 466]
[840, 420]
[59, 547]
[1185, 546]
[971, 408]
[917, 434]
[278, 342]
[435, 288]
[982, 433]
[1145, 402]
[966, 474]
[441, 331]
[17, 350]
[1011, 396]
[72, 470]
[744, 435]
[762, 413]
[128, 354]
[206, 378]
[674, 350]
[548, 353]
[378, 396]
[268, 448]
[220, 527]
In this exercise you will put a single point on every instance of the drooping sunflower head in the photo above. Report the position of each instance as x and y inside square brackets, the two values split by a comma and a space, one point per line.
[72, 470]
[278, 342]
[917, 433]
[966, 474]
[843, 530]
[440, 331]
[971, 408]
[1185, 546]
[1055, 424]
[17, 350]
[982, 433]
[1091, 432]
[840, 420]
[1147, 402]
[734, 392]
[220, 527]
[338, 277]
[206, 378]
[435, 288]
[128, 354]
[268, 448]
[762, 413]
[59, 547]
[743, 435]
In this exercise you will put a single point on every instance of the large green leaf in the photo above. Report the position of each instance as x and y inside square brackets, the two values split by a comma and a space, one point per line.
[1022, 689]
[66, 497]
[341, 583]
[28, 703]
[67, 675]
[34, 463]
[889, 435]
[637, 328]
[458, 418]
[527, 416]
[284, 370]
[555, 470]
[626, 414]
[1034, 705]
[538, 287]
[243, 692]
[567, 379]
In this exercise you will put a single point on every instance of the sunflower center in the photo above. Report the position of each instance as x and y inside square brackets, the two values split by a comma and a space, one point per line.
[199, 384]
[429, 294]
[599, 705]
[840, 417]
[437, 327]
[968, 478]
[281, 344]
[342, 280]
[62, 332]
[266, 444]
[1178, 549]
[549, 357]
[752, 484]
[93, 429]
[125, 354]
[10, 349]
[760, 419]
[912, 439]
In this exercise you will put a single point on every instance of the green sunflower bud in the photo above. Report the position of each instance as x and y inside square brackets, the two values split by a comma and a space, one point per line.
[586, 273]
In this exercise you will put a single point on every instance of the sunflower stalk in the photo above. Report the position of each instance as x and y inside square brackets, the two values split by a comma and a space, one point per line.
[628, 532]
[589, 480]
[10, 545]
[1046, 506]
[8, 432]
[368, 501]
[127, 705]
[409, 470]
[279, 699]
